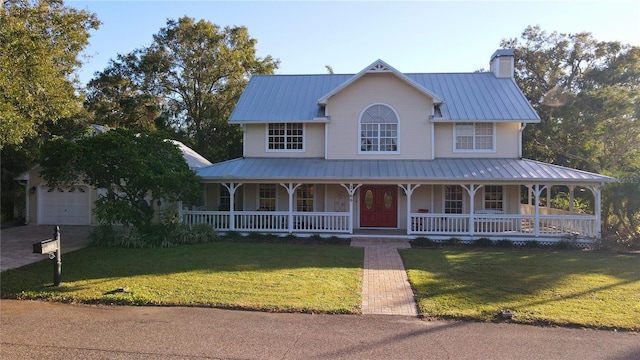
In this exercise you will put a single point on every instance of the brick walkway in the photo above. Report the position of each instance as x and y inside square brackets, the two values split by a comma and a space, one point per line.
[385, 286]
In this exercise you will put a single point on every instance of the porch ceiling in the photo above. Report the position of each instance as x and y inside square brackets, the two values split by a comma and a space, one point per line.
[443, 171]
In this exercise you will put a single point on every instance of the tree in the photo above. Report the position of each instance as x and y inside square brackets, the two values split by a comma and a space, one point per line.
[587, 93]
[40, 42]
[193, 73]
[133, 169]
[118, 99]
[39, 46]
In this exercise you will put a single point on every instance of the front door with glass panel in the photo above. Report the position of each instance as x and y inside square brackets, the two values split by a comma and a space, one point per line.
[378, 206]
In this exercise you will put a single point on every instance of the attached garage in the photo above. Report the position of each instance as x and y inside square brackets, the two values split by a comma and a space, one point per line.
[64, 206]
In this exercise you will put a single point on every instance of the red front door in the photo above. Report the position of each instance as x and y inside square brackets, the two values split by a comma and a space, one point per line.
[379, 206]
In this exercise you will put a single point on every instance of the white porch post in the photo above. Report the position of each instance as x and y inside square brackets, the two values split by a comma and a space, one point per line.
[409, 190]
[351, 190]
[548, 197]
[572, 188]
[291, 189]
[597, 208]
[472, 189]
[232, 187]
[536, 193]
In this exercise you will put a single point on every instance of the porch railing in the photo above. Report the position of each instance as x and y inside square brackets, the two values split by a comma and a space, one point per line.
[276, 221]
[513, 224]
[321, 222]
[421, 223]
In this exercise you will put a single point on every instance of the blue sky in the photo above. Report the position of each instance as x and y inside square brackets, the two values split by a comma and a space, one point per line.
[413, 36]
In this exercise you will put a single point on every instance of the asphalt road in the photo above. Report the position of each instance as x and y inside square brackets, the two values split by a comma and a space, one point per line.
[40, 330]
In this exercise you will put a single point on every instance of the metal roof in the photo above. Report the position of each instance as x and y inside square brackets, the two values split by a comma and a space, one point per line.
[467, 97]
[380, 66]
[193, 159]
[485, 170]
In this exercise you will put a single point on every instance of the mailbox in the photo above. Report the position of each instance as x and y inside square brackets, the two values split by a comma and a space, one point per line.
[51, 247]
[46, 246]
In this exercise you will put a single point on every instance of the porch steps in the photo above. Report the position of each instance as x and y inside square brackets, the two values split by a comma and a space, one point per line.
[385, 286]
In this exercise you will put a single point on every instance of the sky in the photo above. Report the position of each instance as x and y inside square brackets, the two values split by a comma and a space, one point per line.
[411, 36]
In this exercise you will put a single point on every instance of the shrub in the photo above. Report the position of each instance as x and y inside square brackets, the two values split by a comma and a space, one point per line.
[504, 243]
[232, 235]
[564, 245]
[422, 242]
[155, 235]
[484, 242]
[454, 242]
[532, 244]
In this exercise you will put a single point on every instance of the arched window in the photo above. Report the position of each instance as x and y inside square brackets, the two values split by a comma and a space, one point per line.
[379, 129]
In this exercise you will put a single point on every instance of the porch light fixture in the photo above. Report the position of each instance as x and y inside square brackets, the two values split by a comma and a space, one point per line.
[32, 190]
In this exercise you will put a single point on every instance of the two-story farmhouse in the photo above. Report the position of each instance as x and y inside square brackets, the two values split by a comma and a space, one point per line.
[423, 154]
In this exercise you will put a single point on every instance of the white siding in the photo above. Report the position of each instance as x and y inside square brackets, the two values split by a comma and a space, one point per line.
[506, 142]
[413, 110]
[255, 142]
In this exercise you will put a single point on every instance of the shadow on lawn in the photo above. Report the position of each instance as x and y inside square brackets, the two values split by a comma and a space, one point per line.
[107, 263]
[489, 276]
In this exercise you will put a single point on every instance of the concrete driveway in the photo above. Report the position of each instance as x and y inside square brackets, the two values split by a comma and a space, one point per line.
[16, 243]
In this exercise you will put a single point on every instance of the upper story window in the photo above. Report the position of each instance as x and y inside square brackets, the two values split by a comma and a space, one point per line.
[285, 137]
[378, 130]
[474, 137]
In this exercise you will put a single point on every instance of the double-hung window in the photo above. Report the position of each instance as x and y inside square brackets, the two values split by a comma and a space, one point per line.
[453, 199]
[493, 198]
[304, 198]
[378, 130]
[474, 137]
[267, 197]
[285, 137]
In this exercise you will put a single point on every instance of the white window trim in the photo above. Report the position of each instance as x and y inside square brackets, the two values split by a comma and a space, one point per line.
[465, 195]
[304, 139]
[455, 125]
[358, 143]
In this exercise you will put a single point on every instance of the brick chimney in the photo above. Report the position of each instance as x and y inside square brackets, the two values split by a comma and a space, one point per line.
[502, 63]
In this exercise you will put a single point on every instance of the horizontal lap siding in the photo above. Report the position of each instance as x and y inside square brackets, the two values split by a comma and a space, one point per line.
[413, 109]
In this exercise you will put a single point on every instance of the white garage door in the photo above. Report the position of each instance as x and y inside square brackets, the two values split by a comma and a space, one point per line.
[65, 206]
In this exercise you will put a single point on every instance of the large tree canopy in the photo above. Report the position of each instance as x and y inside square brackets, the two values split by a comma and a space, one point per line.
[191, 76]
[587, 93]
[40, 41]
[133, 169]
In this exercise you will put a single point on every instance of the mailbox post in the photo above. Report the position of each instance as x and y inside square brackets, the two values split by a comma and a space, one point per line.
[51, 247]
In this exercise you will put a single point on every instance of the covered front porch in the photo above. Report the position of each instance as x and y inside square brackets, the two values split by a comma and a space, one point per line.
[434, 210]
[512, 199]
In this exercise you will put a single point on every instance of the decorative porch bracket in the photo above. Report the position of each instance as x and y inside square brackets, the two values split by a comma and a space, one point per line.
[471, 190]
[537, 191]
[351, 190]
[291, 189]
[408, 189]
[232, 187]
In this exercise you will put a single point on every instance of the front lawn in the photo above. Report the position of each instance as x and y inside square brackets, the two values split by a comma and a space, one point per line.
[269, 277]
[574, 288]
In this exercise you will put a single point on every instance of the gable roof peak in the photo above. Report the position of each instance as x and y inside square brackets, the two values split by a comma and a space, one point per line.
[380, 66]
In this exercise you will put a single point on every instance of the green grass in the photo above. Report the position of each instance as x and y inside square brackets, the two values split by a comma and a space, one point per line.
[268, 277]
[567, 288]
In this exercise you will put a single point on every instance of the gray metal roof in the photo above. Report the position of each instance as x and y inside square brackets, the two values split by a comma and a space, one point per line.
[467, 97]
[520, 171]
